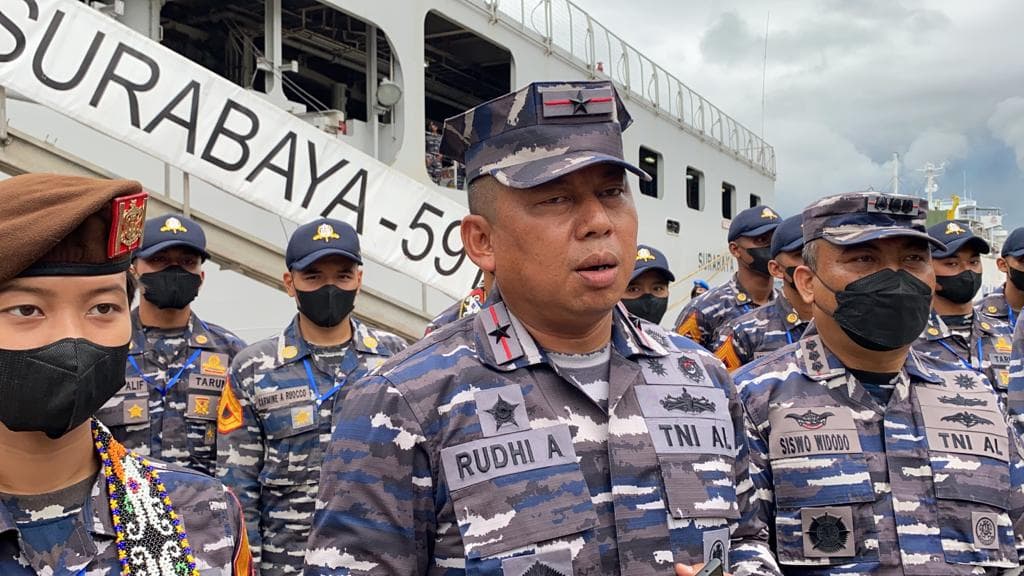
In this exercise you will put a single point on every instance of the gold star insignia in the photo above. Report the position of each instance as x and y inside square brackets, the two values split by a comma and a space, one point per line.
[135, 411]
[302, 418]
[933, 331]
[370, 342]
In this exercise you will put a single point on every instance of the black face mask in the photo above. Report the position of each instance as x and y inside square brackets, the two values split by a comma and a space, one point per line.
[649, 307]
[57, 387]
[959, 289]
[883, 311]
[791, 277]
[326, 306]
[1016, 276]
[173, 287]
[761, 258]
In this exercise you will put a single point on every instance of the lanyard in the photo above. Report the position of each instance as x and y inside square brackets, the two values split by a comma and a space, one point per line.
[321, 398]
[789, 336]
[170, 383]
[966, 362]
[1012, 316]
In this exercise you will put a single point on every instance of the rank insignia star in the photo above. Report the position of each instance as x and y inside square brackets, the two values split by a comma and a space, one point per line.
[135, 411]
[579, 103]
[503, 413]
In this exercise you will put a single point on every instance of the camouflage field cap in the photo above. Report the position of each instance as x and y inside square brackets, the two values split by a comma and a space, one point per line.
[858, 217]
[539, 133]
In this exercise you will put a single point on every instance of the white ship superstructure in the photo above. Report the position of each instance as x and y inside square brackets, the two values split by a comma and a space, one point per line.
[378, 78]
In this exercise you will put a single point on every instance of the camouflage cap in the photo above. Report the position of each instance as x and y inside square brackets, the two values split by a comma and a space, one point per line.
[539, 133]
[858, 217]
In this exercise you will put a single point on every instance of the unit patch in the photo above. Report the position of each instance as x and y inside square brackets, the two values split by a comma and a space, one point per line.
[213, 364]
[687, 420]
[986, 531]
[202, 407]
[828, 532]
[716, 545]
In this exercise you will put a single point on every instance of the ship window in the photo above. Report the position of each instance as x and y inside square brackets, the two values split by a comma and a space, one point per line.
[650, 162]
[694, 189]
[461, 69]
[728, 200]
[755, 200]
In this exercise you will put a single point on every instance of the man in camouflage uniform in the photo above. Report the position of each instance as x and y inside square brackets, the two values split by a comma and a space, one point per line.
[468, 306]
[275, 415]
[1015, 390]
[548, 434]
[867, 456]
[750, 236]
[768, 328]
[957, 332]
[1005, 302]
[177, 363]
[72, 499]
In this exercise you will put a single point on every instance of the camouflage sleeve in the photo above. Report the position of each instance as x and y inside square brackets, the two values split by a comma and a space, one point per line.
[1016, 503]
[375, 510]
[242, 563]
[729, 347]
[1015, 388]
[240, 448]
[751, 552]
[689, 322]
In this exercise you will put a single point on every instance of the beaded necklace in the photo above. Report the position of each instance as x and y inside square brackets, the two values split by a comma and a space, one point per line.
[151, 540]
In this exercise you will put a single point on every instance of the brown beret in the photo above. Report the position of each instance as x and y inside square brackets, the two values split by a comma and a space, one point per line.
[57, 225]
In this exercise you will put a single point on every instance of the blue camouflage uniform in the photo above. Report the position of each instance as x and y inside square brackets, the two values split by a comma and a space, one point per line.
[766, 328]
[168, 406]
[477, 452]
[471, 454]
[270, 456]
[994, 305]
[1015, 390]
[758, 333]
[986, 352]
[702, 316]
[468, 306]
[927, 482]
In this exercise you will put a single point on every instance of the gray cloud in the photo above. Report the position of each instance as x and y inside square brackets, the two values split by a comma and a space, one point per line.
[1007, 124]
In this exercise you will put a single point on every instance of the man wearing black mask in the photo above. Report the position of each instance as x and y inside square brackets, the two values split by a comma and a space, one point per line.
[750, 236]
[647, 294]
[768, 328]
[1005, 302]
[275, 413]
[177, 363]
[956, 331]
[870, 457]
[73, 500]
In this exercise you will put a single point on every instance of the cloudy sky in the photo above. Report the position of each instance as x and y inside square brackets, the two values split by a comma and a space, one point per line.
[850, 82]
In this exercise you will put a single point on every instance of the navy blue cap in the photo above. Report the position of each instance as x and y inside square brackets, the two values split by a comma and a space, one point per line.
[753, 222]
[648, 258]
[955, 236]
[322, 237]
[1014, 245]
[789, 236]
[169, 231]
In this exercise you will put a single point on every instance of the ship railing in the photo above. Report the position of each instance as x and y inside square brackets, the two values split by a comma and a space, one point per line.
[564, 29]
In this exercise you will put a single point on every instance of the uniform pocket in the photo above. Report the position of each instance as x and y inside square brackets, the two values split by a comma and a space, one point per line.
[699, 485]
[293, 451]
[971, 494]
[517, 489]
[824, 510]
